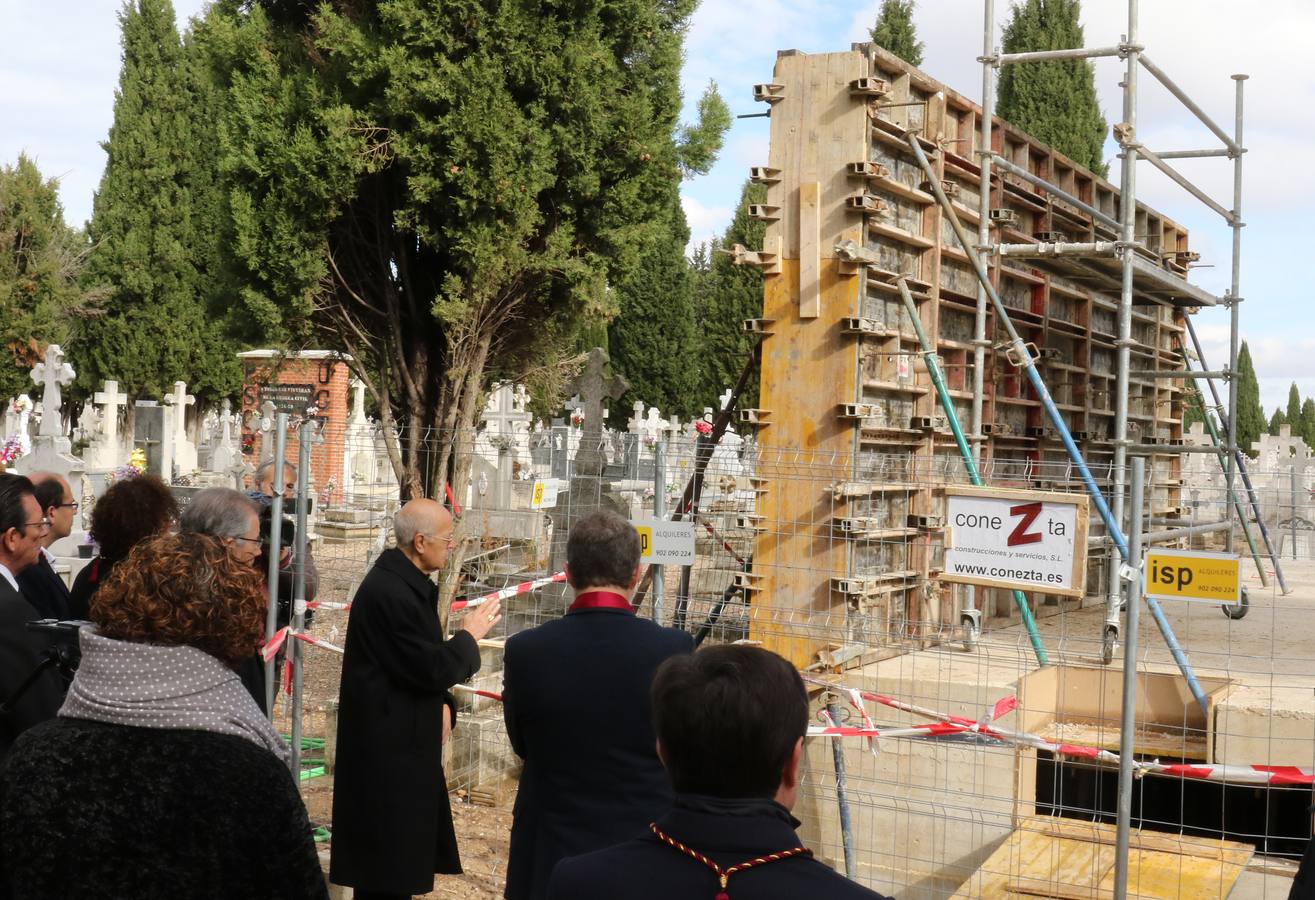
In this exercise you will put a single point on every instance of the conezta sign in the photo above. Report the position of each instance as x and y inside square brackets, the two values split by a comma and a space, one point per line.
[1024, 540]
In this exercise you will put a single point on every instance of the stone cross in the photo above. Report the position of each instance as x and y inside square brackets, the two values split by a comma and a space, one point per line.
[111, 400]
[725, 399]
[180, 400]
[50, 374]
[225, 453]
[501, 413]
[596, 385]
[358, 403]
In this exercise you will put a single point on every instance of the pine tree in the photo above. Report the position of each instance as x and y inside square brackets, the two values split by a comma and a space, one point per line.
[41, 259]
[727, 295]
[1277, 421]
[1055, 101]
[894, 31]
[1250, 415]
[154, 329]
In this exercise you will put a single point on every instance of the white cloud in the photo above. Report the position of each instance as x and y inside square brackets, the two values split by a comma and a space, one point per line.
[705, 222]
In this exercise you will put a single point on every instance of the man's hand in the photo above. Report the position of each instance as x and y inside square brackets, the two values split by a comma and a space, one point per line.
[480, 620]
[447, 723]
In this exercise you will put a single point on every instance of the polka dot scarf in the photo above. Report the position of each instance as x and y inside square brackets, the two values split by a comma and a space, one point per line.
[165, 687]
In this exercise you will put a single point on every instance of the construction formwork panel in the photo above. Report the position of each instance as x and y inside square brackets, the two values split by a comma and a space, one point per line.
[844, 383]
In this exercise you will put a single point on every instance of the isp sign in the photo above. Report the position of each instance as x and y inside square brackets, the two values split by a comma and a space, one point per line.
[1025, 540]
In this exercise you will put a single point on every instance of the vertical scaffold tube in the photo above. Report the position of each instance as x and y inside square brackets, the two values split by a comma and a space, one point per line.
[1026, 363]
[842, 796]
[974, 474]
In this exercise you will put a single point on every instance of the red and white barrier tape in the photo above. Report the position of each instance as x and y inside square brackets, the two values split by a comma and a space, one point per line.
[271, 648]
[725, 544]
[467, 689]
[1278, 776]
[513, 591]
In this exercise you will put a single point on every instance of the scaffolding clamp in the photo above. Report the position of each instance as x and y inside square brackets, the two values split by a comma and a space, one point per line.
[1011, 354]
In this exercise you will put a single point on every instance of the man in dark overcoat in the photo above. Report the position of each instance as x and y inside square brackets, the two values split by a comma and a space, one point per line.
[575, 700]
[730, 724]
[392, 824]
[22, 652]
[39, 583]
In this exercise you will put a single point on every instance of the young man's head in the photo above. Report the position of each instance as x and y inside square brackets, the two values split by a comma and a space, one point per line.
[55, 498]
[602, 552]
[730, 722]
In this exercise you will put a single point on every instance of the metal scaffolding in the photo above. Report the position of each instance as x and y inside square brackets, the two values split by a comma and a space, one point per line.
[1127, 249]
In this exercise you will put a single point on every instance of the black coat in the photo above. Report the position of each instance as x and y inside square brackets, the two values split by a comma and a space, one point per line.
[87, 582]
[576, 703]
[44, 589]
[729, 833]
[92, 810]
[21, 652]
[392, 824]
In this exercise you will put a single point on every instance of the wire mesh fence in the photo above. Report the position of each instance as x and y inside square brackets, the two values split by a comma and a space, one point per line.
[1013, 789]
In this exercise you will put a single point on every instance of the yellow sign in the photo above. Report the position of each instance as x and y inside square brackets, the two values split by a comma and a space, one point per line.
[1193, 575]
[537, 501]
[645, 540]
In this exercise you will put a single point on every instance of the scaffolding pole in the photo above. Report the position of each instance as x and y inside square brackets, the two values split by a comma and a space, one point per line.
[947, 404]
[1128, 236]
[1235, 291]
[1028, 365]
[1252, 498]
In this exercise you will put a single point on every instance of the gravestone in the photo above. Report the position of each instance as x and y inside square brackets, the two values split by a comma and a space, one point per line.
[153, 433]
[184, 461]
[105, 452]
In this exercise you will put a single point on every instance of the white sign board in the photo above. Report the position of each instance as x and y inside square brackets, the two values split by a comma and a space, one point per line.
[544, 494]
[1024, 540]
[666, 543]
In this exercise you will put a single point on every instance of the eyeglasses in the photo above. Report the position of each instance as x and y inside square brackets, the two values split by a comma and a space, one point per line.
[72, 505]
[42, 523]
[451, 541]
[256, 541]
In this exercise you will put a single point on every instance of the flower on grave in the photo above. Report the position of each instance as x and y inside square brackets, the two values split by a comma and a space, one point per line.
[650, 440]
[123, 473]
[21, 404]
[326, 494]
[11, 450]
[703, 427]
[137, 460]
[577, 418]
[649, 493]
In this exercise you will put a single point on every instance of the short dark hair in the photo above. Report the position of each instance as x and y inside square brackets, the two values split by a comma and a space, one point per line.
[728, 718]
[130, 511]
[13, 488]
[49, 491]
[603, 548]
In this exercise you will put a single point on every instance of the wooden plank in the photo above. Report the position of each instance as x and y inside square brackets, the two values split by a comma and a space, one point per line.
[1048, 857]
[810, 261]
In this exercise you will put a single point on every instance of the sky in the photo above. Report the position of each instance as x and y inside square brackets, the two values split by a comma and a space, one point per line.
[62, 59]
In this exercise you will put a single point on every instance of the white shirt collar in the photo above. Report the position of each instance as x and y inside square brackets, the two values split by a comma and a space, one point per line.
[50, 557]
[9, 577]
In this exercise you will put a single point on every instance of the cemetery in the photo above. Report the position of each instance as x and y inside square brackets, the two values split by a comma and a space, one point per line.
[973, 413]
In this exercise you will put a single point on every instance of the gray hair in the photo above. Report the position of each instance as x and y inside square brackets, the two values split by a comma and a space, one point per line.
[266, 470]
[407, 524]
[219, 512]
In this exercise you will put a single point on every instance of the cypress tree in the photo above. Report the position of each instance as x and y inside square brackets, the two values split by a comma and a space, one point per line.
[653, 341]
[154, 329]
[727, 295]
[1250, 415]
[894, 31]
[1055, 101]
[1294, 406]
[1307, 422]
[1277, 421]
[41, 259]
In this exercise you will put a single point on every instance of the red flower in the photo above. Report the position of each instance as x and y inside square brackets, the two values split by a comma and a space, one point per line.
[703, 427]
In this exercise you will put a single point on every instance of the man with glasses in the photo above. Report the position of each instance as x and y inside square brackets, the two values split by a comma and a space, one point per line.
[392, 823]
[39, 583]
[22, 653]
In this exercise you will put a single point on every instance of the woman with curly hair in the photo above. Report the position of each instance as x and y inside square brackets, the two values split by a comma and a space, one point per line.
[160, 778]
[128, 513]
